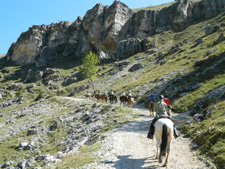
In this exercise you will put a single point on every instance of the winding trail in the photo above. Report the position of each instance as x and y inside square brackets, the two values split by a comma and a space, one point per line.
[128, 147]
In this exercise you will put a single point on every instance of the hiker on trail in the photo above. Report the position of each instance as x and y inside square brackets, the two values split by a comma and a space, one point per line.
[162, 111]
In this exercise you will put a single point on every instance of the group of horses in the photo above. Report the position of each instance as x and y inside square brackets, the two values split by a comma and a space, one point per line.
[124, 100]
[163, 126]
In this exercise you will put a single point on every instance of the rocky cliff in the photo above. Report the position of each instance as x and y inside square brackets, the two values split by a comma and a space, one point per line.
[110, 29]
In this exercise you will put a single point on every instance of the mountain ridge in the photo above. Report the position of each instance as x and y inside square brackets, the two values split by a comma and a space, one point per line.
[103, 28]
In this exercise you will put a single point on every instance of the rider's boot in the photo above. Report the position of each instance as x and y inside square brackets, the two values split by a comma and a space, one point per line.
[176, 132]
[151, 133]
[152, 129]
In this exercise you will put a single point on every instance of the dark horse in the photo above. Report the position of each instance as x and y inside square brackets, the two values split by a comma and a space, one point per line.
[98, 97]
[104, 98]
[123, 100]
[112, 99]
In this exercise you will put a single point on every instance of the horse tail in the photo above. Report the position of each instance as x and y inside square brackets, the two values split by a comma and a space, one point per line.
[164, 140]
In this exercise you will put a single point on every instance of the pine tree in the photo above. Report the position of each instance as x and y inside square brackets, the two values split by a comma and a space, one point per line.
[89, 67]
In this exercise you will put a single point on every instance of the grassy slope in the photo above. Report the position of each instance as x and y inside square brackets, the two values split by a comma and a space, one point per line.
[57, 108]
[183, 59]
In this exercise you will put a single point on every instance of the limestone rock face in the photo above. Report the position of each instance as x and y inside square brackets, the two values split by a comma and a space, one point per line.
[28, 46]
[128, 47]
[106, 29]
[104, 23]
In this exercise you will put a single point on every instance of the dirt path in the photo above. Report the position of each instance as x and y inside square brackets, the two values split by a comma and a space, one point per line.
[128, 148]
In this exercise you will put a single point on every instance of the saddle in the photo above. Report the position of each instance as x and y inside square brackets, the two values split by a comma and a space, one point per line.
[166, 116]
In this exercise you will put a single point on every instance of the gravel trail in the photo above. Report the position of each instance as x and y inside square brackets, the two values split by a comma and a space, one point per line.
[127, 147]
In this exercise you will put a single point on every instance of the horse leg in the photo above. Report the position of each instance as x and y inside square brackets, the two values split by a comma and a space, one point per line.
[168, 152]
[168, 149]
[160, 155]
[157, 150]
[149, 106]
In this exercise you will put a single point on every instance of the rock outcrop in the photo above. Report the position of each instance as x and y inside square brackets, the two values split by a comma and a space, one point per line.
[103, 28]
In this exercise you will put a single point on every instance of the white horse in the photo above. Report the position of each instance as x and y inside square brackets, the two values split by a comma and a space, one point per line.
[163, 135]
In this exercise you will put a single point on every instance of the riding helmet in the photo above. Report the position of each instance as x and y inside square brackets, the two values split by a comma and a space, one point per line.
[161, 97]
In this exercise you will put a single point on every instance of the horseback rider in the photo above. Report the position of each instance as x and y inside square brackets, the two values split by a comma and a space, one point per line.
[105, 93]
[99, 93]
[111, 93]
[152, 98]
[167, 101]
[129, 95]
[88, 93]
[162, 111]
[151, 104]
[123, 94]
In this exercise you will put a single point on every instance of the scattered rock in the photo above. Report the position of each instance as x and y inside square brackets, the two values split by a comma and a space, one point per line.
[54, 125]
[136, 67]
[121, 64]
[7, 164]
[40, 158]
[30, 86]
[210, 51]
[32, 131]
[209, 29]
[221, 38]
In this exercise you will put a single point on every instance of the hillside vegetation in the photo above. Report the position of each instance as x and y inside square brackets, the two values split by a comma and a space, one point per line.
[186, 65]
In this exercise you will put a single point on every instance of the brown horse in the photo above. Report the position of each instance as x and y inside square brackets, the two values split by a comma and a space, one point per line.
[87, 96]
[112, 99]
[123, 100]
[151, 108]
[104, 98]
[131, 102]
[98, 97]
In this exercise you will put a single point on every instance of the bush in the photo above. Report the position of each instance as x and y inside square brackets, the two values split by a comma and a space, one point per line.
[40, 96]
[19, 93]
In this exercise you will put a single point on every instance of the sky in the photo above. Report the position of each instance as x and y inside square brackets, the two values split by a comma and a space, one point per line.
[16, 16]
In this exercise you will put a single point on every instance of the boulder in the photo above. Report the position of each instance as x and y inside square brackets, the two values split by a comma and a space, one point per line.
[15, 86]
[54, 125]
[221, 38]
[32, 131]
[29, 86]
[136, 67]
[210, 51]
[33, 76]
[121, 64]
[102, 56]
[7, 164]
[210, 29]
